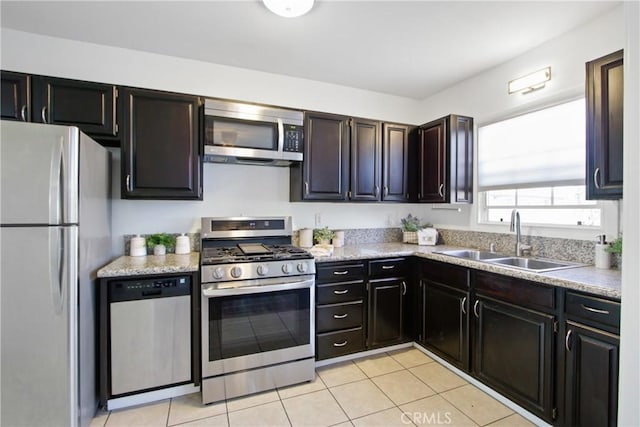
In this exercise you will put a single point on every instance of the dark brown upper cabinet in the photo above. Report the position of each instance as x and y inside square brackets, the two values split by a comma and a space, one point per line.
[161, 146]
[366, 153]
[445, 160]
[395, 162]
[324, 173]
[90, 106]
[16, 98]
[604, 92]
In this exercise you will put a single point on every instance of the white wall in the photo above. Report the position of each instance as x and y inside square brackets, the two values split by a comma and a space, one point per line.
[628, 409]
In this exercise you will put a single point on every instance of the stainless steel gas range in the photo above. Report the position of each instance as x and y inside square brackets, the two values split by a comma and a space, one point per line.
[258, 316]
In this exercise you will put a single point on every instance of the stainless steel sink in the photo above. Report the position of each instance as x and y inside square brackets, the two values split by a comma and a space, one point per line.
[472, 254]
[532, 264]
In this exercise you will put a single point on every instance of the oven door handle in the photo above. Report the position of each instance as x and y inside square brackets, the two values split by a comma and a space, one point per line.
[219, 292]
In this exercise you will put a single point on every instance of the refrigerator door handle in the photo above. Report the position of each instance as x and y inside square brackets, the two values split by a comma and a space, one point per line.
[56, 184]
[56, 267]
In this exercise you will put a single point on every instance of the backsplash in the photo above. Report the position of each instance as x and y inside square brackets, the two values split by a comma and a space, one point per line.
[581, 251]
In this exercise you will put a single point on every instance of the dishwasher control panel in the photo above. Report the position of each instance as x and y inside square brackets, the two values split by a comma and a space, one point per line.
[129, 290]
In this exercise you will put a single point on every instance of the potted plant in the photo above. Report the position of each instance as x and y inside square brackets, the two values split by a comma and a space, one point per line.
[160, 242]
[323, 236]
[410, 227]
[615, 248]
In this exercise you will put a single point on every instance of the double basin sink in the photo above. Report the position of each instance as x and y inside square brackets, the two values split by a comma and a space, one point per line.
[529, 264]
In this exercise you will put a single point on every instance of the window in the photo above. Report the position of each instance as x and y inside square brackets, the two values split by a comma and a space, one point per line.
[536, 163]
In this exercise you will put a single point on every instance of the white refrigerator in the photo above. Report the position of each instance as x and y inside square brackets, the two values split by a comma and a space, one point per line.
[54, 235]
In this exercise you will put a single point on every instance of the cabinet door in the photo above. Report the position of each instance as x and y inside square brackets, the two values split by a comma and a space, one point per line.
[324, 173]
[432, 158]
[591, 376]
[604, 127]
[89, 106]
[15, 96]
[161, 150]
[446, 322]
[366, 152]
[385, 311]
[395, 163]
[514, 353]
[460, 188]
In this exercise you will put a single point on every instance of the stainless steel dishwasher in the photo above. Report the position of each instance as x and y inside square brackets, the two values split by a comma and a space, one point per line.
[150, 333]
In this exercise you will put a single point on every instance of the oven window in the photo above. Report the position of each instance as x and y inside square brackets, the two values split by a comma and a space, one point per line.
[239, 133]
[247, 324]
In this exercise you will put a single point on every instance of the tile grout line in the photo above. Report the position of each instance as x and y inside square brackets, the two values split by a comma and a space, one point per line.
[467, 415]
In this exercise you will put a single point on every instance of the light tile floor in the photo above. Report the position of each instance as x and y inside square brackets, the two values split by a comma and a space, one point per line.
[399, 388]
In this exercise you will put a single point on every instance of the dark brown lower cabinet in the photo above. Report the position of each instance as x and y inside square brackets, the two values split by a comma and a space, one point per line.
[446, 323]
[385, 320]
[591, 376]
[514, 350]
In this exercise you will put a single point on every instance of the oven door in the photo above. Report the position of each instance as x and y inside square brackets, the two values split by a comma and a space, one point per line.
[256, 323]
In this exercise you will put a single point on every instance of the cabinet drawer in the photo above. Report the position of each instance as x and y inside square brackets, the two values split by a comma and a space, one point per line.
[340, 272]
[339, 316]
[338, 343]
[340, 292]
[592, 310]
[446, 274]
[517, 291]
[396, 267]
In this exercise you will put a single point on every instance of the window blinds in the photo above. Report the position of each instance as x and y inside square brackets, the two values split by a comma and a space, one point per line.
[544, 148]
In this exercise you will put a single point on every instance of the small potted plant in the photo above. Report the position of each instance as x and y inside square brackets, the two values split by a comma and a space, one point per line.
[323, 236]
[615, 248]
[160, 242]
[410, 227]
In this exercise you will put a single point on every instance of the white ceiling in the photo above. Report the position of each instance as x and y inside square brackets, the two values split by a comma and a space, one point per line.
[406, 48]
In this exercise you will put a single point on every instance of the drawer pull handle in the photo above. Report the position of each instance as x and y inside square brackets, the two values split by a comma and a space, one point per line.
[388, 267]
[340, 316]
[340, 344]
[341, 273]
[567, 340]
[342, 292]
[594, 310]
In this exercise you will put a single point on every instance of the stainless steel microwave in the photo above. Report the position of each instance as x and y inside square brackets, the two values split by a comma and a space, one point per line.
[252, 134]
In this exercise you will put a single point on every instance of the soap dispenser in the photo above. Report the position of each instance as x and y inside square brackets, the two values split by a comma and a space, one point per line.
[602, 256]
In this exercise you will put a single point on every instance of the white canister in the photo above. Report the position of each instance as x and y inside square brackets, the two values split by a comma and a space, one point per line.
[137, 246]
[338, 239]
[603, 258]
[183, 244]
[306, 237]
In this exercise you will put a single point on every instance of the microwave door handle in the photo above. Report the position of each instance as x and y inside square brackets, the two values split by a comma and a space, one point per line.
[280, 136]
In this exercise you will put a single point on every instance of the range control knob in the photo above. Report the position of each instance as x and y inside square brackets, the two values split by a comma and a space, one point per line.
[236, 272]
[263, 270]
[287, 268]
[218, 273]
[302, 267]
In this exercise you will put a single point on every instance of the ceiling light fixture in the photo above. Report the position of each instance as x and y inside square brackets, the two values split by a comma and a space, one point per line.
[289, 8]
[530, 82]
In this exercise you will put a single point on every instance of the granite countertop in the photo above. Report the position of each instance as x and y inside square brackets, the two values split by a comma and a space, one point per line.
[151, 264]
[589, 279]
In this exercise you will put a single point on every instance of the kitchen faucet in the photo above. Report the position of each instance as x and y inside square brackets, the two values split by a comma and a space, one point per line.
[515, 226]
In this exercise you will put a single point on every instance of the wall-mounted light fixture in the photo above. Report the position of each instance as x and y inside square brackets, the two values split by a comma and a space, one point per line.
[289, 8]
[530, 82]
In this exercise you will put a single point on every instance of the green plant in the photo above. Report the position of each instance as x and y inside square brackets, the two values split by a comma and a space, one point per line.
[166, 239]
[410, 223]
[615, 247]
[322, 234]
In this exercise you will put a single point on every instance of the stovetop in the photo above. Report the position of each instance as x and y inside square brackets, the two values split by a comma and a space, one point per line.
[251, 252]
